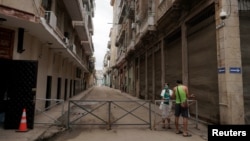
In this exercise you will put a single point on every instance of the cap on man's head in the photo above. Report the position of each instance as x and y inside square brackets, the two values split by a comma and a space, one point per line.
[178, 81]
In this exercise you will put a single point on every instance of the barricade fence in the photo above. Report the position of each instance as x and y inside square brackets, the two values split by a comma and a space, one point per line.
[44, 114]
[108, 113]
[157, 117]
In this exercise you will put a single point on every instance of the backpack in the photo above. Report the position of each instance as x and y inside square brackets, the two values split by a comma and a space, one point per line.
[166, 96]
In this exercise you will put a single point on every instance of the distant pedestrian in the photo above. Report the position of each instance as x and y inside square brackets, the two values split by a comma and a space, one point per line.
[166, 94]
[180, 94]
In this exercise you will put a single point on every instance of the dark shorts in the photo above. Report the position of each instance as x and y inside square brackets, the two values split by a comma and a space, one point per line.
[181, 111]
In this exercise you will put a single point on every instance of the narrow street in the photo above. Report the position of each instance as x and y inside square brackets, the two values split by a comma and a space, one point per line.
[128, 132]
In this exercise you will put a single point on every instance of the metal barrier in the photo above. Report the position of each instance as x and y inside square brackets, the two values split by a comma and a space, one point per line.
[193, 104]
[109, 113]
[45, 115]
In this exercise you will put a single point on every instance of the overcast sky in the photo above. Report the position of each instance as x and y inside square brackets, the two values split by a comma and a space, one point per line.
[102, 20]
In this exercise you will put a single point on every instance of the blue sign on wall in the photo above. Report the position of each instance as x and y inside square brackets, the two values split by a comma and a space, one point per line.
[221, 70]
[235, 70]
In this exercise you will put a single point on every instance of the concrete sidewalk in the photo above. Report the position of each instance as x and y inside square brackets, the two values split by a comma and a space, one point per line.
[43, 131]
[40, 131]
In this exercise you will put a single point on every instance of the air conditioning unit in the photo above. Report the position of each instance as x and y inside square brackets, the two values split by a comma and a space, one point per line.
[133, 25]
[66, 40]
[73, 48]
[51, 18]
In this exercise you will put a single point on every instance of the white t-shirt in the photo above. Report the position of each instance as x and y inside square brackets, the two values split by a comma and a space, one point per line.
[163, 92]
[166, 108]
[170, 94]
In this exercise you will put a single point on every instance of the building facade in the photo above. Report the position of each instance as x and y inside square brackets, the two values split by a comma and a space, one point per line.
[100, 80]
[110, 70]
[46, 52]
[203, 42]
[106, 68]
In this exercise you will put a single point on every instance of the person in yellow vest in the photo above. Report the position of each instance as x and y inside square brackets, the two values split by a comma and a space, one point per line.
[181, 94]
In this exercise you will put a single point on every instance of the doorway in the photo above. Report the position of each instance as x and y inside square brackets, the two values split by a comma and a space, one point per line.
[18, 91]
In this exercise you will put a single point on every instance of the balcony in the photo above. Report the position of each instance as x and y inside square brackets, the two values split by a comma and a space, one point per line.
[131, 47]
[109, 45]
[169, 11]
[51, 19]
[131, 9]
[107, 56]
[81, 29]
[74, 8]
[88, 46]
[121, 34]
[122, 13]
[148, 23]
[120, 60]
[81, 21]
[105, 64]
[84, 35]
[92, 59]
[164, 6]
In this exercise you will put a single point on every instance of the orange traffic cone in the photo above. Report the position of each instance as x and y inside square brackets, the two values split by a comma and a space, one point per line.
[23, 123]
